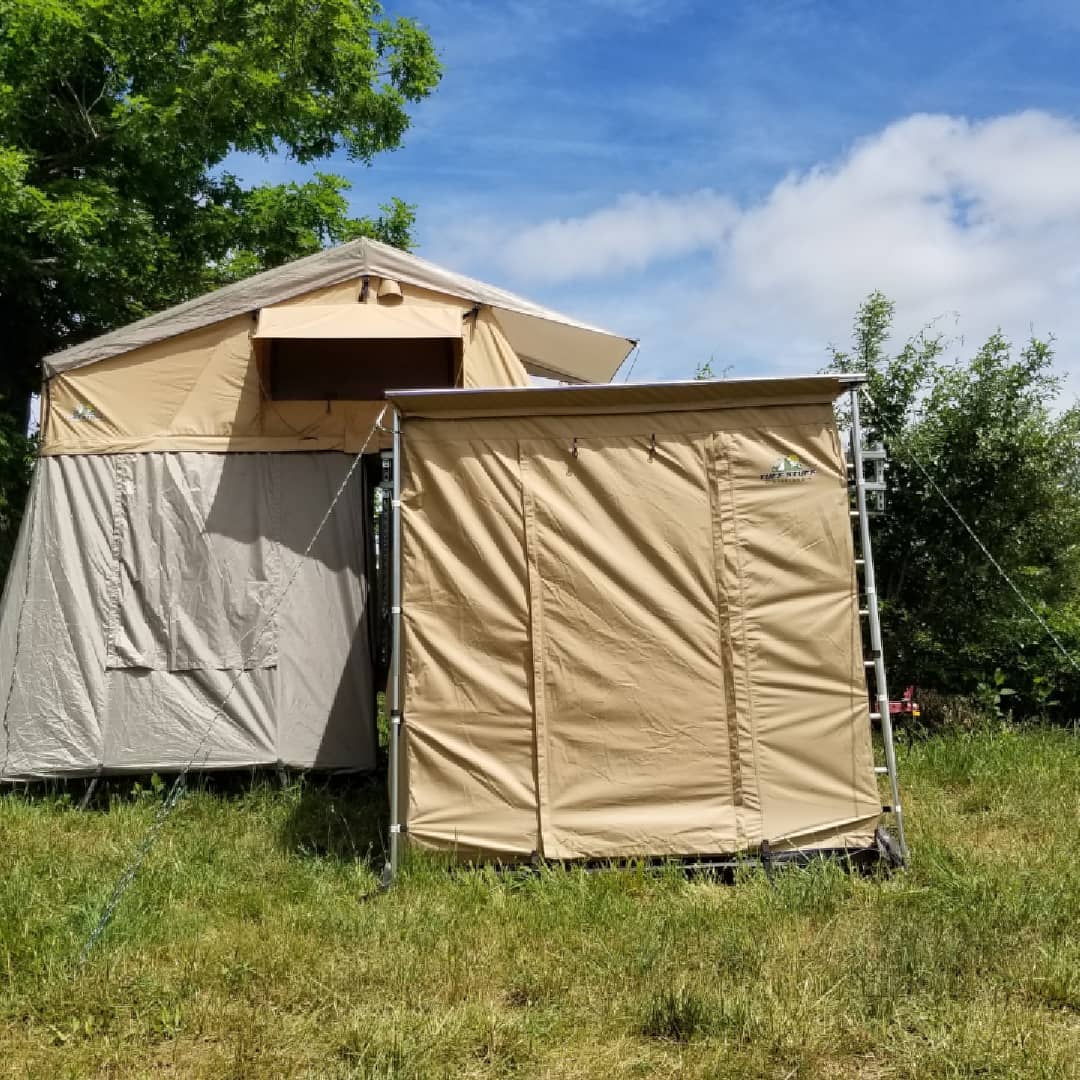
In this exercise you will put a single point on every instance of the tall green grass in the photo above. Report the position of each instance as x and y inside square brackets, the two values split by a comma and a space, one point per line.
[255, 943]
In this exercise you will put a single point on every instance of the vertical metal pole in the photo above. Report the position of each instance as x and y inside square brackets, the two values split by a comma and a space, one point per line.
[395, 656]
[870, 589]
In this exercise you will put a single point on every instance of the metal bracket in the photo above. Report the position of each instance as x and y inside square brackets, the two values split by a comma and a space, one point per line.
[875, 484]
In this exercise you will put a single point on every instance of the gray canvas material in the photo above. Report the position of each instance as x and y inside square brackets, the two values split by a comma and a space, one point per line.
[139, 589]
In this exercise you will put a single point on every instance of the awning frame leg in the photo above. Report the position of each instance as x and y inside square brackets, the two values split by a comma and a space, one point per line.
[395, 689]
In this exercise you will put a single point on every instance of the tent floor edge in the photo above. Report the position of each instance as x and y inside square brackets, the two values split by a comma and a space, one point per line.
[726, 866]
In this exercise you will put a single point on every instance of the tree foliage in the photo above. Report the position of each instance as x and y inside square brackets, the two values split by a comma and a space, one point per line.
[988, 433]
[16, 464]
[116, 119]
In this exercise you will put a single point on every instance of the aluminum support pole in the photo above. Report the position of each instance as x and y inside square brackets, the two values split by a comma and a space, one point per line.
[395, 657]
[870, 590]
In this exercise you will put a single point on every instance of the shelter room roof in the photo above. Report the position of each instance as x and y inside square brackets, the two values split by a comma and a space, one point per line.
[547, 342]
[621, 397]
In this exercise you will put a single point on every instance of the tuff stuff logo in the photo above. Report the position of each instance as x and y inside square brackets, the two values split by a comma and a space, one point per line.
[787, 469]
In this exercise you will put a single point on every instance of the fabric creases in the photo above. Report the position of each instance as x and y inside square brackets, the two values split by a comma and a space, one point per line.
[198, 562]
[632, 635]
[147, 588]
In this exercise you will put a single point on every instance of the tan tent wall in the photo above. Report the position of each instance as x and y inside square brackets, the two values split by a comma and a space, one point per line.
[621, 637]
[141, 585]
[202, 390]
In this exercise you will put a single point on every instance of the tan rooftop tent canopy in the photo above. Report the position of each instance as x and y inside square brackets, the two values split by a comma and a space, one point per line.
[629, 613]
[184, 470]
[546, 341]
[295, 359]
[630, 622]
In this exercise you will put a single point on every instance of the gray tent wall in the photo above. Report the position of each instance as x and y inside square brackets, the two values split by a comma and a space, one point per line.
[140, 585]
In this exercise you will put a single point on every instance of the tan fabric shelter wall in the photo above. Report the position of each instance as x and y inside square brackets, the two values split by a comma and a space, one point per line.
[202, 390]
[141, 586]
[630, 627]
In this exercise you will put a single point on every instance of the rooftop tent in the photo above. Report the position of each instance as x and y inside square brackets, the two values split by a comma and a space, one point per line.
[630, 623]
[547, 342]
[186, 461]
[199, 376]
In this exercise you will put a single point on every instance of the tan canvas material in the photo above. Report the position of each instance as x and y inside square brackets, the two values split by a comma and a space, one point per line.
[311, 321]
[547, 342]
[631, 623]
[203, 390]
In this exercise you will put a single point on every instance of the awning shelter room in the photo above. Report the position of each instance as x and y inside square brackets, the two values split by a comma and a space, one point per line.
[630, 623]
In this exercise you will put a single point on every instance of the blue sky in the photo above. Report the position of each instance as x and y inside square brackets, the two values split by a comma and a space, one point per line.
[728, 180]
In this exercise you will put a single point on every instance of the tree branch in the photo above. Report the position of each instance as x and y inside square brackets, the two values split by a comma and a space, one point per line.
[82, 108]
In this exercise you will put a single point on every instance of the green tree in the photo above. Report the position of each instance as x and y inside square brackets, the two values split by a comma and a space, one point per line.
[705, 370]
[987, 434]
[116, 117]
[16, 464]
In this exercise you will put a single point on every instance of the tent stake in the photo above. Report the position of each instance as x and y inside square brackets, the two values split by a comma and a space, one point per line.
[391, 870]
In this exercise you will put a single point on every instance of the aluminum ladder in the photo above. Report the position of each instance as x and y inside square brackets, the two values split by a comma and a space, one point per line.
[858, 457]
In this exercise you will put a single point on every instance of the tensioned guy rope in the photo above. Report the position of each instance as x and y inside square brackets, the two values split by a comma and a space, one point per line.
[990, 558]
[177, 789]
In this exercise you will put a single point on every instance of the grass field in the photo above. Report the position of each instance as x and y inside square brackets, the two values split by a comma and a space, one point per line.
[254, 944]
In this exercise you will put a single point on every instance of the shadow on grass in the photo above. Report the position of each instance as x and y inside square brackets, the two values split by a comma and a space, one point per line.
[340, 817]
[345, 817]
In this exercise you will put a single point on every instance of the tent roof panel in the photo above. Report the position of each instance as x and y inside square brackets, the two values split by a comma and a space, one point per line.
[558, 354]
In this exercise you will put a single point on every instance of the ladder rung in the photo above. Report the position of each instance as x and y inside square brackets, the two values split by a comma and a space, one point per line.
[853, 513]
[875, 716]
[886, 809]
[864, 611]
[860, 562]
[869, 663]
[881, 770]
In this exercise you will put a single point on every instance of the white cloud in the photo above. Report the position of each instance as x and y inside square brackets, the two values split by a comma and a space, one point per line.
[941, 213]
[630, 235]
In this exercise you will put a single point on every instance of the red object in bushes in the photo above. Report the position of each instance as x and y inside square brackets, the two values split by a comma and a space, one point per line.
[906, 706]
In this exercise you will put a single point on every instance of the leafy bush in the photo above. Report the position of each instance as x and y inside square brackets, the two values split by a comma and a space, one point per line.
[985, 435]
[16, 465]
